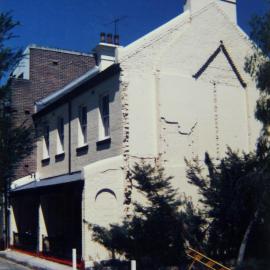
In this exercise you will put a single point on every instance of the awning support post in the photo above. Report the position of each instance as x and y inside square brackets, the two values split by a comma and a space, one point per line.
[74, 259]
[133, 265]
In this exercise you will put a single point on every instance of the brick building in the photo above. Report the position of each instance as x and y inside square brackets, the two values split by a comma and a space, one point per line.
[41, 72]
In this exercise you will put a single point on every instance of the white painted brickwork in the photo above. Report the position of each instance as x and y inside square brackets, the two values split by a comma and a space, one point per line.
[103, 201]
[174, 116]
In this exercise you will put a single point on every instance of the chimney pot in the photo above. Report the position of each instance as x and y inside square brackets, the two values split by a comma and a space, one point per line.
[102, 37]
[109, 38]
[116, 40]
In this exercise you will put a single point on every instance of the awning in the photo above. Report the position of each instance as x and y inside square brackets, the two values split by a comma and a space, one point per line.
[52, 181]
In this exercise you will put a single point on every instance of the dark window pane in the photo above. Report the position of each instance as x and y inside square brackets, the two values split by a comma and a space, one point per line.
[47, 137]
[105, 105]
[61, 130]
[83, 122]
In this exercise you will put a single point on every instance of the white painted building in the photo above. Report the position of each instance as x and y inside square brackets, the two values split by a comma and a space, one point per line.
[175, 93]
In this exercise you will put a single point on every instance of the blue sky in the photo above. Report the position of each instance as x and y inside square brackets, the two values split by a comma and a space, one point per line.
[76, 24]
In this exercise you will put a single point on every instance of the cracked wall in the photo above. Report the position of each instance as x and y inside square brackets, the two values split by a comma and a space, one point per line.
[172, 115]
[167, 115]
[102, 202]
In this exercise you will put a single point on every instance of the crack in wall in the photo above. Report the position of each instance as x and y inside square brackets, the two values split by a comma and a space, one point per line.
[143, 158]
[109, 170]
[216, 118]
[179, 126]
[126, 150]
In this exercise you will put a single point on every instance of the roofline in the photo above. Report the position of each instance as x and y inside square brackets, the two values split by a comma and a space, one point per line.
[151, 37]
[80, 88]
[26, 53]
[34, 46]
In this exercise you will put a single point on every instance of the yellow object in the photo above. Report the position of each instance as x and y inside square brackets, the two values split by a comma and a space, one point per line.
[202, 259]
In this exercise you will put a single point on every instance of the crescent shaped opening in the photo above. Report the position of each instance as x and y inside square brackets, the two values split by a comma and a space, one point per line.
[107, 190]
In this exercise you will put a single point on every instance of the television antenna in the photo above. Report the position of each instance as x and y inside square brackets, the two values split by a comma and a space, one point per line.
[116, 21]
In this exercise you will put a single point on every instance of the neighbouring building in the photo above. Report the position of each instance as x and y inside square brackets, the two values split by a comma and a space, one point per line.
[41, 72]
[175, 93]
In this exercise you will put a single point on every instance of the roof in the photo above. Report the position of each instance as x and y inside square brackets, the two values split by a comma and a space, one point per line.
[46, 182]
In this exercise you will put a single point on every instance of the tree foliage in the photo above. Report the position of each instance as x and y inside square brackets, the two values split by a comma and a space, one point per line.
[258, 65]
[234, 192]
[156, 233]
[16, 142]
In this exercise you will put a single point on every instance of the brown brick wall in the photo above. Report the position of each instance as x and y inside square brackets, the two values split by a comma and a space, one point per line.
[49, 71]
[20, 105]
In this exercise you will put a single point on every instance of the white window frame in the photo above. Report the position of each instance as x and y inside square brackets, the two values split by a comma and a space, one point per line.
[104, 117]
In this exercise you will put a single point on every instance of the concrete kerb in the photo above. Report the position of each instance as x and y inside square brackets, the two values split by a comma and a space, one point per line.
[32, 262]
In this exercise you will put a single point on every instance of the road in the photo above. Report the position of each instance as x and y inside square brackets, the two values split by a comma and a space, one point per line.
[8, 265]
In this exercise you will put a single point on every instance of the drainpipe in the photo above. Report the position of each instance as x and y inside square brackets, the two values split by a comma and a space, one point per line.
[69, 137]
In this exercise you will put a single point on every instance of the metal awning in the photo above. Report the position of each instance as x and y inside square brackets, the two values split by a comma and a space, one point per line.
[52, 181]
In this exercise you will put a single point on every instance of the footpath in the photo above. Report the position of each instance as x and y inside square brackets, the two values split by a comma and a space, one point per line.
[32, 262]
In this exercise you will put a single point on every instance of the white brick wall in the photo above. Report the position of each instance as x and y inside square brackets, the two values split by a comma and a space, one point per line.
[103, 201]
[182, 117]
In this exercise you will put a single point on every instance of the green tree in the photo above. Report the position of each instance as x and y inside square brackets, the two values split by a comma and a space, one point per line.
[236, 190]
[258, 65]
[235, 196]
[156, 234]
[16, 142]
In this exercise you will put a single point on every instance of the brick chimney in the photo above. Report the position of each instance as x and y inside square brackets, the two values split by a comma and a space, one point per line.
[228, 7]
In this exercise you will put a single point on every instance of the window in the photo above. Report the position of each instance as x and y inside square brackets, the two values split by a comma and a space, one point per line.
[105, 117]
[46, 141]
[61, 135]
[83, 125]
